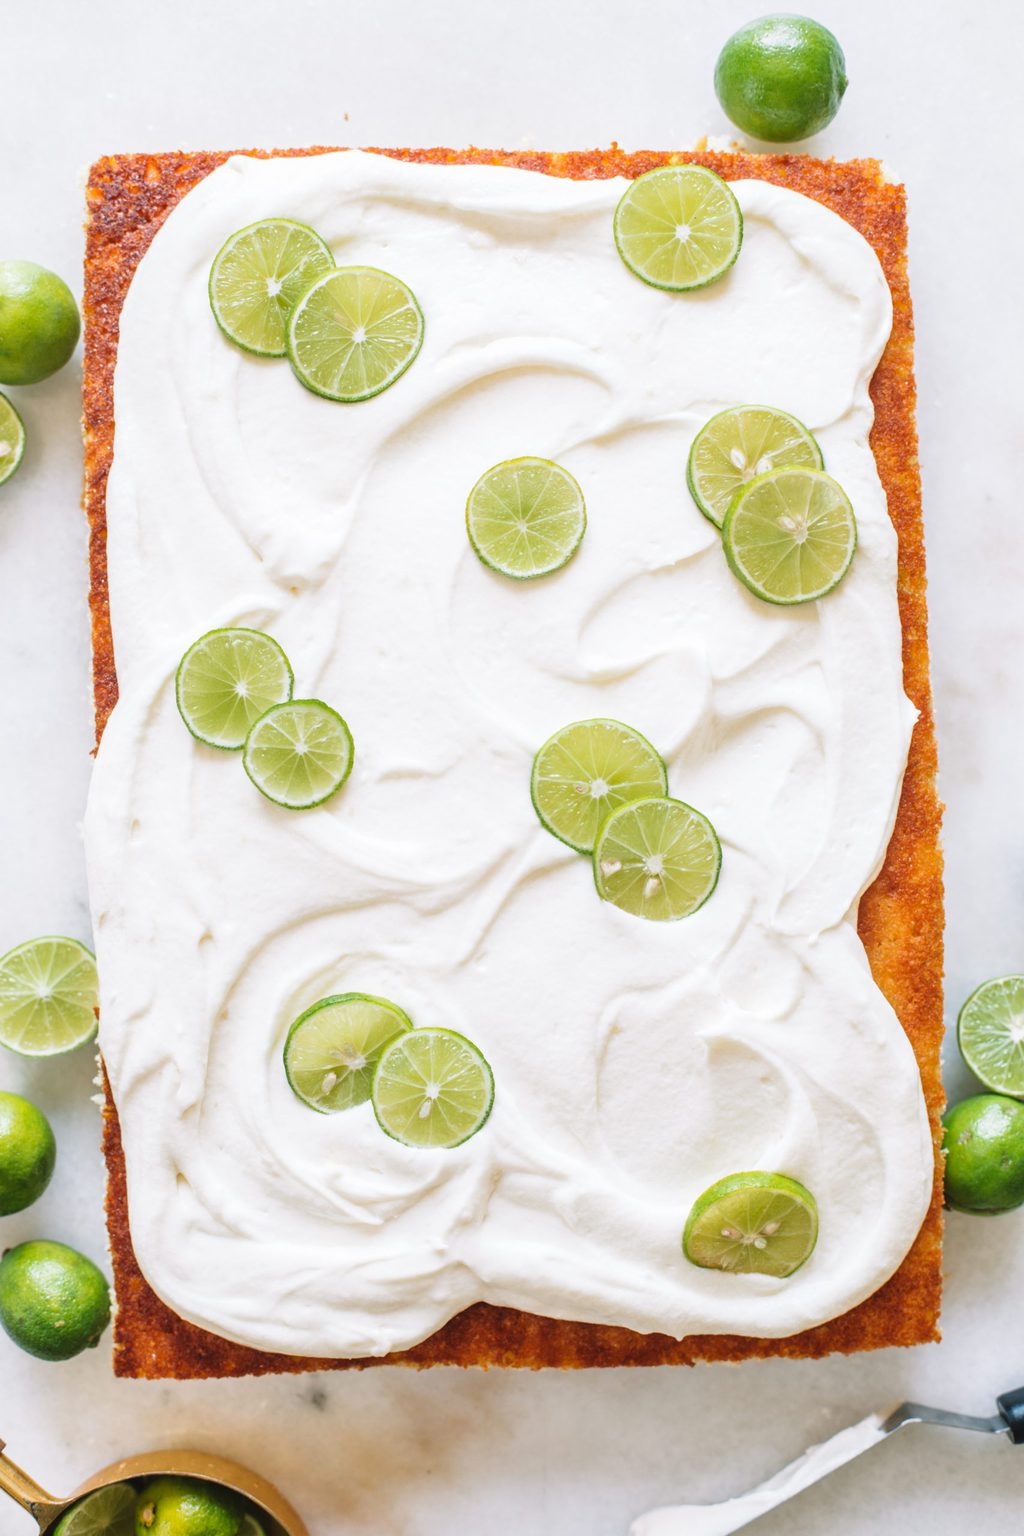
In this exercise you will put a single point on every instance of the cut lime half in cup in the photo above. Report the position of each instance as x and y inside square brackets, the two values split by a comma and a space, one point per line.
[256, 278]
[752, 1224]
[990, 1033]
[227, 680]
[107, 1512]
[679, 227]
[432, 1088]
[299, 754]
[790, 535]
[332, 1049]
[353, 333]
[49, 993]
[526, 517]
[657, 858]
[587, 770]
[738, 444]
[12, 439]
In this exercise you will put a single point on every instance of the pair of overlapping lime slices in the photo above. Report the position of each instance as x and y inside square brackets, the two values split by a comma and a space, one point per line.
[600, 787]
[234, 691]
[348, 332]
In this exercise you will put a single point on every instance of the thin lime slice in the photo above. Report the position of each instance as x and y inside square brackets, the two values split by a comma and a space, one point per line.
[752, 1224]
[738, 444]
[299, 754]
[432, 1088]
[333, 1048]
[226, 680]
[679, 227]
[586, 771]
[49, 993]
[257, 276]
[790, 535]
[526, 517]
[990, 1033]
[353, 333]
[658, 859]
[12, 439]
[107, 1512]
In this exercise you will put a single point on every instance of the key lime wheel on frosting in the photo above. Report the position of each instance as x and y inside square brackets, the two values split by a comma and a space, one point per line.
[432, 1088]
[790, 535]
[679, 227]
[753, 1224]
[256, 278]
[526, 518]
[299, 754]
[226, 680]
[738, 444]
[332, 1049]
[353, 333]
[587, 770]
[659, 859]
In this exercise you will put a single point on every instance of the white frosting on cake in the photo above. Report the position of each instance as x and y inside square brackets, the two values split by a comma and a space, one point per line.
[635, 1062]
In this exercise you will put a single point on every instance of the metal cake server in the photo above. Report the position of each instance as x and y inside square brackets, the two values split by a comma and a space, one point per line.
[818, 1462]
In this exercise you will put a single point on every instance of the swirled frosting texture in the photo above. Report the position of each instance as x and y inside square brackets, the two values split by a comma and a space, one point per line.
[635, 1062]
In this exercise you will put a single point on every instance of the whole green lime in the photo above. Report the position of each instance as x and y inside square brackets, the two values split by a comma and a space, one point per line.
[39, 324]
[184, 1506]
[781, 78]
[984, 1146]
[28, 1153]
[54, 1302]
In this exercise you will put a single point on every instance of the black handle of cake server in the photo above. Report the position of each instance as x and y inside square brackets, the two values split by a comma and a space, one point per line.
[1011, 1406]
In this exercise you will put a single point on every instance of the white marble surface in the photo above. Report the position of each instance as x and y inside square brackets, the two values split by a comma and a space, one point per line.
[935, 91]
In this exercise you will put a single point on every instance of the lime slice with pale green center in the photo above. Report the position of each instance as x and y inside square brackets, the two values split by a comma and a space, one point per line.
[256, 278]
[432, 1088]
[657, 858]
[49, 993]
[990, 1033]
[739, 444]
[226, 680]
[353, 333]
[679, 227]
[299, 754]
[752, 1224]
[586, 771]
[790, 535]
[107, 1512]
[526, 517]
[12, 439]
[332, 1049]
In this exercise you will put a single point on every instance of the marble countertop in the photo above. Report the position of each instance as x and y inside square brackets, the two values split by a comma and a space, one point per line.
[934, 91]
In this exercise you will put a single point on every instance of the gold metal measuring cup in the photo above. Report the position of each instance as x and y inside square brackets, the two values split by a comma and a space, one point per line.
[276, 1513]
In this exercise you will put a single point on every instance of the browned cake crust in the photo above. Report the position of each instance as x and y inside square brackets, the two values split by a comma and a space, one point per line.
[129, 196]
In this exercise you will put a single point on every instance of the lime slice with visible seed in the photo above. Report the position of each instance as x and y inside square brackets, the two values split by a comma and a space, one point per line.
[432, 1088]
[679, 227]
[752, 1224]
[49, 993]
[658, 859]
[332, 1049]
[12, 439]
[257, 276]
[526, 518]
[227, 680]
[107, 1512]
[990, 1033]
[790, 535]
[299, 754]
[737, 444]
[353, 333]
[586, 771]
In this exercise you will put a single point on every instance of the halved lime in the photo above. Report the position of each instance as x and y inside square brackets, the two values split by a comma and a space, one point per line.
[587, 770]
[332, 1049]
[299, 754]
[790, 535]
[107, 1512]
[226, 680]
[990, 1033]
[678, 227]
[256, 277]
[657, 858]
[49, 993]
[353, 333]
[752, 1224]
[738, 444]
[432, 1088]
[526, 517]
[12, 439]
